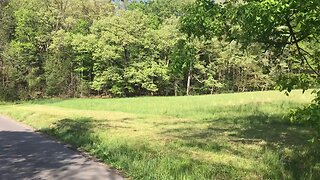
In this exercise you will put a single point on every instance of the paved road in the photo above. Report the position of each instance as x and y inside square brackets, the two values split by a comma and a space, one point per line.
[25, 154]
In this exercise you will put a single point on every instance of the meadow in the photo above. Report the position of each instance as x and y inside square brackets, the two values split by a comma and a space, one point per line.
[225, 136]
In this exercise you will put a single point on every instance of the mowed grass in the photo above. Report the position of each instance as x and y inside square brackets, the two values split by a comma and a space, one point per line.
[227, 136]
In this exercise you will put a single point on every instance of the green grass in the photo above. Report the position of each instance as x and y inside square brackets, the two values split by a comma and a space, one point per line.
[227, 136]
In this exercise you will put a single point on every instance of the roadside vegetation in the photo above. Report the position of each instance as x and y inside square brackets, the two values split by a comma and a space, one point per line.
[110, 54]
[226, 136]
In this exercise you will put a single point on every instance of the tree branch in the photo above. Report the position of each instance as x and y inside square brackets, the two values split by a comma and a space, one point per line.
[299, 49]
[315, 71]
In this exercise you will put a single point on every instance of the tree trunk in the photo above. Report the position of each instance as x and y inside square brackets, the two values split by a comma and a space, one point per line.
[176, 87]
[126, 54]
[189, 81]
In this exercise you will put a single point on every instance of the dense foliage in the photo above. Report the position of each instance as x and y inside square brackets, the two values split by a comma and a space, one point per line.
[78, 48]
[88, 48]
[288, 30]
[285, 29]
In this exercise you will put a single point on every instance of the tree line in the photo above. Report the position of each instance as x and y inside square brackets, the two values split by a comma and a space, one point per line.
[288, 30]
[76, 48]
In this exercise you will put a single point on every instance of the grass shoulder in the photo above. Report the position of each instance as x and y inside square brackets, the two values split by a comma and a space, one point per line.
[236, 136]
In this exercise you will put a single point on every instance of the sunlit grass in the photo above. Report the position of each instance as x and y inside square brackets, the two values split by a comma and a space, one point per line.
[227, 136]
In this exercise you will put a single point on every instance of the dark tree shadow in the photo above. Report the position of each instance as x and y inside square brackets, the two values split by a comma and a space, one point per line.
[275, 131]
[279, 134]
[77, 132]
[80, 132]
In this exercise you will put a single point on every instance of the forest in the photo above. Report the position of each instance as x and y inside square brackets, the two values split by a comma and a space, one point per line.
[102, 76]
[81, 48]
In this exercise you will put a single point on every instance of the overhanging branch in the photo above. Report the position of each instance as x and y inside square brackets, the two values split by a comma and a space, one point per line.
[299, 49]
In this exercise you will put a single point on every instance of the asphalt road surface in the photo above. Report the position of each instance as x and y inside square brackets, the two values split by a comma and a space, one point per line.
[25, 154]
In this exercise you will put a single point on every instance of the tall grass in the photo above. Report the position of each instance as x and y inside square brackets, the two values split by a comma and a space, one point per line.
[228, 136]
[187, 107]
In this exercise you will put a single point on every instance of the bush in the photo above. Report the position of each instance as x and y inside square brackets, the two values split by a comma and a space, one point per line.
[309, 115]
[8, 95]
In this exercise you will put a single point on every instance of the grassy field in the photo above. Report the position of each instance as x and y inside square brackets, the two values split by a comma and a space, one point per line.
[227, 136]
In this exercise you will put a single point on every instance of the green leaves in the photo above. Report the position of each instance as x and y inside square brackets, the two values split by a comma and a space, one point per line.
[147, 75]
[309, 115]
[158, 47]
[204, 18]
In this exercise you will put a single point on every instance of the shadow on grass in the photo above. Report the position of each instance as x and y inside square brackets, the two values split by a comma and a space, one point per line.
[83, 134]
[271, 132]
[138, 159]
[280, 135]
[77, 132]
